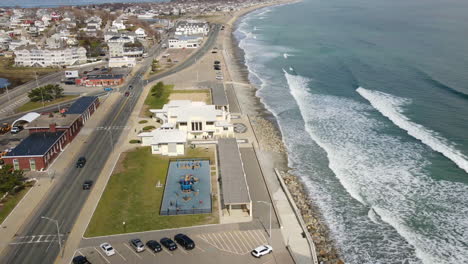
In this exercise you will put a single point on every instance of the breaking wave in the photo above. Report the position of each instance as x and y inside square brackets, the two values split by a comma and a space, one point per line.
[392, 107]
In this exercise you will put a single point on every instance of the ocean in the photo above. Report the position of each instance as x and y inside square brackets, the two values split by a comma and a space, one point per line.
[372, 101]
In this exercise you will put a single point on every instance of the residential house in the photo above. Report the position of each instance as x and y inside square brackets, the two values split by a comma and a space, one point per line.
[32, 56]
[168, 142]
[140, 33]
[184, 42]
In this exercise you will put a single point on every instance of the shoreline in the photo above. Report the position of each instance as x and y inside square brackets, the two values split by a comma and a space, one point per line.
[269, 134]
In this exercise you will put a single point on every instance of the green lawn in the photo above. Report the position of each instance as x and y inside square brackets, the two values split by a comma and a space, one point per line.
[131, 196]
[153, 102]
[35, 105]
[11, 202]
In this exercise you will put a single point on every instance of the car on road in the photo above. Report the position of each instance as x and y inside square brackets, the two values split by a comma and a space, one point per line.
[80, 260]
[107, 249]
[154, 245]
[80, 162]
[185, 241]
[137, 245]
[217, 68]
[262, 251]
[87, 185]
[130, 87]
[127, 94]
[108, 89]
[168, 243]
[217, 62]
[214, 51]
[219, 78]
[16, 129]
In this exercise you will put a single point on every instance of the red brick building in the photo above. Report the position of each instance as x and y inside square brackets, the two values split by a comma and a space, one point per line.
[101, 80]
[49, 134]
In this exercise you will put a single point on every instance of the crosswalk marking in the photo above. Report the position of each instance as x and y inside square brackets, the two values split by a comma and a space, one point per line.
[235, 242]
[35, 239]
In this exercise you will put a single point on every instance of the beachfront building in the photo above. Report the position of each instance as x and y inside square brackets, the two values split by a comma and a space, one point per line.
[168, 142]
[32, 56]
[197, 119]
[184, 42]
[189, 28]
[119, 62]
[120, 49]
[125, 37]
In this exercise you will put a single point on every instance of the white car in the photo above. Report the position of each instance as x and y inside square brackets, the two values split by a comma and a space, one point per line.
[108, 249]
[219, 77]
[262, 251]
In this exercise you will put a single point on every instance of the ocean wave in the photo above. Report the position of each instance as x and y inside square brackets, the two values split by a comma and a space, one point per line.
[392, 107]
[387, 174]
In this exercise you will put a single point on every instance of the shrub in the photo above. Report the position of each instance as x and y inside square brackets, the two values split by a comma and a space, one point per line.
[134, 141]
[148, 128]
[142, 121]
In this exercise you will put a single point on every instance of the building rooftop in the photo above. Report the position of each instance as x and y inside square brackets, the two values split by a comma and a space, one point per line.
[104, 77]
[233, 180]
[36, 144]
[81, 105]
[61, 120]
[166, 136]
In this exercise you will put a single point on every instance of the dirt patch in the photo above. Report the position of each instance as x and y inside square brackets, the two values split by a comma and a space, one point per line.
[119, 166]
[197, 96]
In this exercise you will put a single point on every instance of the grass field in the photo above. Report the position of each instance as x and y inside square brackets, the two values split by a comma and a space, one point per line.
[11, 202]
[131, 196]
[35, 105]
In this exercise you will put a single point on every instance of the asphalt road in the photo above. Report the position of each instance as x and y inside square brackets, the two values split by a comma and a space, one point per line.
[65, 201]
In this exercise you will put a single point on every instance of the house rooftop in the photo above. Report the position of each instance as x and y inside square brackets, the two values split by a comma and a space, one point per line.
[36, 144]
[60, 120]
[81, 105]
[160, 136]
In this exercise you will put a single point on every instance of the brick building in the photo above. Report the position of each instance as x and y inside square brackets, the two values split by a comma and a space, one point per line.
[49, 134]
[101, 80]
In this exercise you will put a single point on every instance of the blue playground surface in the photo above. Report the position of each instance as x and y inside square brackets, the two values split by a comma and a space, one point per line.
[188, 188]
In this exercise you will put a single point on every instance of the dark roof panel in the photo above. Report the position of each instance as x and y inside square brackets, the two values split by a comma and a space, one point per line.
[36, 144]
[81, 105]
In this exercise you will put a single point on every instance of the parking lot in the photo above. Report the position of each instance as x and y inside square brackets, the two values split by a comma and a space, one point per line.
[214, 244]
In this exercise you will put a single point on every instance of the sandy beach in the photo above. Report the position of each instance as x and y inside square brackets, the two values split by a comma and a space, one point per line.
[270, 139]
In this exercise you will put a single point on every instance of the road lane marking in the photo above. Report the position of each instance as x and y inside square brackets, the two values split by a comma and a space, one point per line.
[120, 254]
[136, 254]
[102, 255]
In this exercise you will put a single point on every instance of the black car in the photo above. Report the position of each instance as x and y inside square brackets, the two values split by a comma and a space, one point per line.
[80, 260]
[154, 245]
[81, 162]
[184, 241]
[168, 243]
[87, 185]
[130, 87]
[217, 62]
[217, 67]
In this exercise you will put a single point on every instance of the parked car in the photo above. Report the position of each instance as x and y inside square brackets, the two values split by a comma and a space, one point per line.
[81, 162]
[217, 68]
[217, 62]
[214, 51]
[107, 249]
[108, 89]
[137, 245]
[16, 129]
[185, 241]
[80, 260]
[87, 185]
[130, 87]
[262, 251]
[154, 245]
[219, 77]
[168, 243]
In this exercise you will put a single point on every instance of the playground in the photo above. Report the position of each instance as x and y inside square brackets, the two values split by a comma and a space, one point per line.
[188, 188]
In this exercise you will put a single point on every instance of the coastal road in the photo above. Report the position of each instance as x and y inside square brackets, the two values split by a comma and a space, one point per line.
[37, 241]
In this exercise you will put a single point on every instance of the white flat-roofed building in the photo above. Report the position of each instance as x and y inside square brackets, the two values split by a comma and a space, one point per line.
[197, 119]
[192, 28]
[119, 62]
[184, 42]
[169, 142]
[32, 56]
[140, 33]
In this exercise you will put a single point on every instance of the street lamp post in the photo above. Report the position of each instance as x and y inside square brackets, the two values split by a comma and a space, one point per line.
[58, 230]
[269, 233]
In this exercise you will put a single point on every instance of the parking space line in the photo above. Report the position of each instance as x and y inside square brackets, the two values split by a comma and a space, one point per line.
[80, 253]
[249, 238]
[257, 238]
[102, 255]
[151, 251]
[263, 236]
[237, 243]
[198, 247]
[242, 240]
[183, 250]
[120, 254]
[165, 250]
[217, 243]
[223, 242]
[233, 248]
[136, 254]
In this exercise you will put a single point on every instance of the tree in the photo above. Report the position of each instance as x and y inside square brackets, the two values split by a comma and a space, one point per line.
[157, 90]
[10, 178]
[46, 93]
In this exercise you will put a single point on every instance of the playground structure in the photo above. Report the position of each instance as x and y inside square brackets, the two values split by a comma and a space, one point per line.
[188, 188]
[187, 182]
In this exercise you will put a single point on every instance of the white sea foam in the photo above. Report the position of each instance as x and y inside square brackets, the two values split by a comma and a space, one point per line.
[386, 174]
[392, 107]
